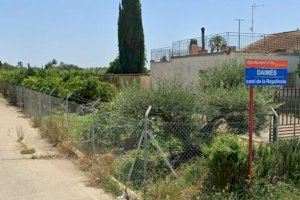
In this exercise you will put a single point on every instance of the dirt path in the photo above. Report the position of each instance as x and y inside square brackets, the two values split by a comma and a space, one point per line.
[23, 178]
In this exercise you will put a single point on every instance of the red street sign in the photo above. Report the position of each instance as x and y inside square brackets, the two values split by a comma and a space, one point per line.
[260, 63]
[260, 72]
[263, 73]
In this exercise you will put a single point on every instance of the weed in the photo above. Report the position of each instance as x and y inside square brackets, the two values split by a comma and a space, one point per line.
[279, 161]
[167, 189]
[51, 131]
[34, 157]
[20, 133]
[100, 172]
[112, 187]
[28, 151]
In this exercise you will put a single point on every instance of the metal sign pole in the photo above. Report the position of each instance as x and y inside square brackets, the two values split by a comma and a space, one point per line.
[251, 128]
[261, 73]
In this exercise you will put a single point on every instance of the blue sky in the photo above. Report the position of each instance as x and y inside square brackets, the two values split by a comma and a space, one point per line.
[84, 32]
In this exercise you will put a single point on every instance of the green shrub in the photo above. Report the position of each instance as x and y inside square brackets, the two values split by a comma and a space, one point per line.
[170, 101]
[157, 169]
[262, 189]
[168, 189]
[223, 95]
[227, 164]
[85, 83]
[279, 161]
[173, 107]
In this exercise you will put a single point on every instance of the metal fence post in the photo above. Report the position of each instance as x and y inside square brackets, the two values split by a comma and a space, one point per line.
[275, 125]
[23, 101]
[67, 109]
[40, 103]
[30, 100]
[50, 104]
[93, 126]
[146, 151]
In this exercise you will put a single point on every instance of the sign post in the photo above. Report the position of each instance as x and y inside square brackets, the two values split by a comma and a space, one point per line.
[261, 73]
[251, 129]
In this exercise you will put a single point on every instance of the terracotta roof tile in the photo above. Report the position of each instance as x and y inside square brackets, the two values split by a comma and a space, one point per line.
[279, 42]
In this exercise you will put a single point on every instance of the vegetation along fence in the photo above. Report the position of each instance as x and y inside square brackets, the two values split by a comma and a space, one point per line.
[140, 153]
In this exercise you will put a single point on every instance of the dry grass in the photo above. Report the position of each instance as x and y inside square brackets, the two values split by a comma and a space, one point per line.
[85, 162]
[98, 168]
[100, 171]
[67, 148]
[51, 131]
[54, 133]
[175, 190]
[20, 133]
[36, 122]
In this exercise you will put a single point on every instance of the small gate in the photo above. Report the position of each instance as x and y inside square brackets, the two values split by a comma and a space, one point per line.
[287, 123]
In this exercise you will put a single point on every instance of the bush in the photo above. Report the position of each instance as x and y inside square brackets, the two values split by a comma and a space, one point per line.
[157, 169]
[84, 83]
[116, 132]
[262, 189]
[91, 88]
[170, 101]
[227, 164]
[223, 95]
[279, 161]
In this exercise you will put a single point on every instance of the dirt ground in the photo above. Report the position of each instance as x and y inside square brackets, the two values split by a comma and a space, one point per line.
[23, 178]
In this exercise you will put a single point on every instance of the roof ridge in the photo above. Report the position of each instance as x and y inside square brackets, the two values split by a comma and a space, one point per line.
[286, 32]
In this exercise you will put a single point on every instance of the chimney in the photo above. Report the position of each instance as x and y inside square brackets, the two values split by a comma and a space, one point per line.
[203, 38]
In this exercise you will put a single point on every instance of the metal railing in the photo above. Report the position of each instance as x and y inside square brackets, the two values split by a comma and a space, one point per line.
[230, 42]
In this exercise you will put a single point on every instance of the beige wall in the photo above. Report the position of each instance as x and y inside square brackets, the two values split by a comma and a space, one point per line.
[186, 69]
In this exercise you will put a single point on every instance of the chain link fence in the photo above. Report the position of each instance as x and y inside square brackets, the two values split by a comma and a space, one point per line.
[145, 150]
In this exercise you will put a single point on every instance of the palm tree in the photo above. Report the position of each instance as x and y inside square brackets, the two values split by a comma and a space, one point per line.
[216, 42]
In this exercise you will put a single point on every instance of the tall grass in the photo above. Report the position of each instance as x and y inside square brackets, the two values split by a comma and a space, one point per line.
[279, 161]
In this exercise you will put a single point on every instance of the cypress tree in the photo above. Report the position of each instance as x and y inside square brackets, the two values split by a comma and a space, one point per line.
[131, 38]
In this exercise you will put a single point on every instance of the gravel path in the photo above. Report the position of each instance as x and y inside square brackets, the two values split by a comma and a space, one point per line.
[23, 178]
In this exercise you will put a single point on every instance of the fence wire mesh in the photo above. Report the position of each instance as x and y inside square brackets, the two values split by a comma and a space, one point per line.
[146, 150]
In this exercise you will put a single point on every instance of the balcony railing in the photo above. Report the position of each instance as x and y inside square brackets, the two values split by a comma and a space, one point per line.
[229, 42]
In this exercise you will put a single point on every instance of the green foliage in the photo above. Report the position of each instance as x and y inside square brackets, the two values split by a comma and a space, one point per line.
[262, 189]
[173, 106]
[116, 131]
[64, 78]
[5, 65]
[170, 101]
[227, 163]
[28, 151]
[114, 66]
[15, 76]
[112, 187]
[91, 88]
[223, 95]
[279, 161]
[156, 169]
[131, 38]
[216, 42]
[32, 82]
